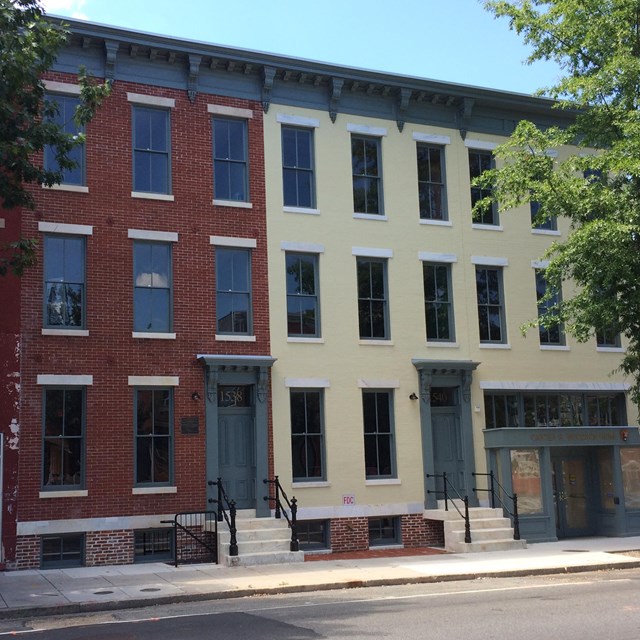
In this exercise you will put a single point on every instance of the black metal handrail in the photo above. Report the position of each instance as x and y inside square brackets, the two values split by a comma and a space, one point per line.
[224, 505]
[447, 486]
[280, 509]
[498, 494]
[190, 528]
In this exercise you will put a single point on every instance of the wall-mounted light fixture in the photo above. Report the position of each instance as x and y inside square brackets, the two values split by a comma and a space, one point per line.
[195, 396]
[413, 396]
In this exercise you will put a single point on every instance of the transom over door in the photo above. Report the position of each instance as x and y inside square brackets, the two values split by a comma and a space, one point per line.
[237, 455]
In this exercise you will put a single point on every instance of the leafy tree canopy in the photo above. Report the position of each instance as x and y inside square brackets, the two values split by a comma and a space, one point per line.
[29, 44]
[588, 171]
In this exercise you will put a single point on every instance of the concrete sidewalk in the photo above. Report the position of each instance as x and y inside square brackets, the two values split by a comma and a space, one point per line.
[86, 589]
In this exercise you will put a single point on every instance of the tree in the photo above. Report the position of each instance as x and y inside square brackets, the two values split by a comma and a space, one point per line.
[29, 44]
[594, 179]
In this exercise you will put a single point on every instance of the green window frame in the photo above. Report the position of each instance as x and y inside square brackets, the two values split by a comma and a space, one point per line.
[552, 335]
[64, 282]
[152, 287]
[63, 438]
[438, 302]
[366, 167]
[432, 191]
[153, 440]
[307, 434]
[479, 162]
[151, 150]
[373, 301]
[491, 311]
[384, 531]
[298, 175]
[62, 551]
[313, 535]
[379, 434]
[233, 291]
[230, 160]
[61, 111]
[303, 301]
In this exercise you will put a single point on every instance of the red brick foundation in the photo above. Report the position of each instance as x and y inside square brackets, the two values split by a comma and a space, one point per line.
[108, 547]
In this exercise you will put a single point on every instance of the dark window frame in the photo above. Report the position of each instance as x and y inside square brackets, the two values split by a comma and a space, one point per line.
[370, 305]
[479, 162]
[311, 443]
[322, 531]
[234, 293]
[150, 552]
[77, 559]
[376, 460]
[486, 309]
[549, 336]
[549, 223]
[223, 164]
[296, 299]
[296, 173]
[435, 303]
[139, 307]
[431, 190]
[147, 153]
[363, 179]
[378, 526]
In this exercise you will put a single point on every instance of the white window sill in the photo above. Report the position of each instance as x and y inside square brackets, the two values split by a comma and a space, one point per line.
[225, 338]
[377, 343]
[239, 204]
[545, 232]
[309, 340]
[74, 188]
[153, 336]
[382, 481]
[370, 216]
[71, 493]
[166, 197]
[610, 349]
[554, 347]
[148, 491]
[446, 345]
[487, 227]
[305, 210]
[436, 223]
[65, 332]
[310, 485]
[497, 345]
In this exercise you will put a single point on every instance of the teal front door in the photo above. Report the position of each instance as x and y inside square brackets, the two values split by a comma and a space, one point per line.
[447, 449]
[237, 455]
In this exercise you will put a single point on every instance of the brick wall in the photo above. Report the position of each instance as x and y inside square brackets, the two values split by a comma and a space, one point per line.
[349, 534]
[108, 547]
[418, 532]
[27, 553]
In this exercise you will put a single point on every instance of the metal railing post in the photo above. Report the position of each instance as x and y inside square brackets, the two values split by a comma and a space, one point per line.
[220, 505]
[278, 514]
[446, 491]
[295, 544]
[233, 540]
[516, 518]
[467, 524]
[493, 493]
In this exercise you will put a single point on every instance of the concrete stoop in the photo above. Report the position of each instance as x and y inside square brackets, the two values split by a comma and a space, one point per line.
[260, 541]
[490, 530]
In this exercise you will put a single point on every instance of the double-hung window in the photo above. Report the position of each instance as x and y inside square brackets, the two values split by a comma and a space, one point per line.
[608, 338]
[479, 162]
[373, 311]
[153, 436]
[152, 299]
[431, 182]
[297, 167]
[490, 296]
[151, 150]
[438, 302]
[233, 290]
[65, 107]
[230, 153]
[546, 223]
[303, 309]
[367, 174]
[307, 434]
[379, 449]
[63, 438]
[64, 286]
[550, 334]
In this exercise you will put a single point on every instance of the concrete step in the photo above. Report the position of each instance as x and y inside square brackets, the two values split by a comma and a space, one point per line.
[249, 559]
[480, 535]
[487, 545]
[476, 525]
[257, 546]
[475, 513]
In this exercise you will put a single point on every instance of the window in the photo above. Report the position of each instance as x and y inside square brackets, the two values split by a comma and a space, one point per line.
[297, 167]
[438, 302]
[553, 334]
[66, 550]
[373, 314]
[548, 223]
[153, 439]
[153, 545]
[152, 287]
[526, 479]
[66, 107]
[431, 184]
[479, 162]
[608, 338]
[379, 448]
[64, 282]
[233, 290]
[367, 172]
[230, 160]
[384, 531]
[303, 318]
[491, 319]
[307, 435]
[151, 150]
[313, 534]
[63, 438]
[501, 410]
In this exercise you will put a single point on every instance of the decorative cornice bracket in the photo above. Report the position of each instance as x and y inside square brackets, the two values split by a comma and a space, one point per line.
[404, 95]
[111, 51]
[194, 71]
[464, 115]
[268, 75]
[334, 99]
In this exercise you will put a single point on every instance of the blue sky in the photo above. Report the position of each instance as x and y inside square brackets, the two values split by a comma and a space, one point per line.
[452, 40]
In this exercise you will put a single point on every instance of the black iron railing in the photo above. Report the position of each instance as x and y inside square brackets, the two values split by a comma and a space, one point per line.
[195, 537]
[226, 510]
[447, 489]
[498, 494]
[280, 509]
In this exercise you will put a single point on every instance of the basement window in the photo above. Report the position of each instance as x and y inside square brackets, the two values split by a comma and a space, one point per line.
[384, 532]
[62, 551]
[153, 545]
[313, 535]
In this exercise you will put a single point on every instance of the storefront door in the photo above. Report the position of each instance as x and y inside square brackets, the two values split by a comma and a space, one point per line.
[571, 495]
